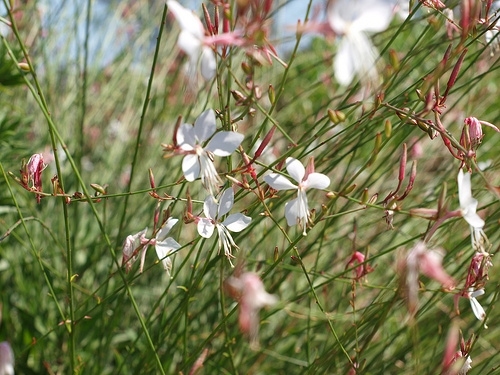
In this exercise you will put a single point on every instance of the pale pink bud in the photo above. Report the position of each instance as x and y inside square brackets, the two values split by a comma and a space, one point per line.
[6, 359]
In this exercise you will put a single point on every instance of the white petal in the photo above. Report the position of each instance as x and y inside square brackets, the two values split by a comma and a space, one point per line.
[185, 137]
[224, 143]
[344, 64]
[205, 228]
[237, 222]
[295, 169]
[464, 188]
[359, 15]
[279, 182]
[187, 20]
[226, 202]
[191, 167]
[477, 309]
[292, 213]
[210, 207]
[317, 181]
[208, 63]
[162, 233]
[205, 125]
[190, 45]
[473, 218]
[163, 250]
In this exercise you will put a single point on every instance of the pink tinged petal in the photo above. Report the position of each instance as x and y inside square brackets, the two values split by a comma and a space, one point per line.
[187, 20]
[224, 143]
[237, 222]
[317, 181]
[205, 125]
[208, 65]
[279, 182]
[205, 227]
[163, 250]
[191, 167]
[431, 266]
[226, 202]
[163, 232]
[295, 169]
[190, 45]
[210, 207]
[186, 138]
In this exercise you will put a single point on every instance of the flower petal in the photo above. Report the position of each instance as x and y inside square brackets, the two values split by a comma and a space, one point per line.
[208, 64]
[477, 309]
[185, 137]
[464, 188]
[295, 169]
[191, 167]
[317, 181]
[163, 250]
[190, 45]
[163, 232]
[279, 182]
[237, 222]
[205, 227]
[224, 143]
[205, 125]
[187, 20]
[292, 212]
[226, 202]
[210, 207]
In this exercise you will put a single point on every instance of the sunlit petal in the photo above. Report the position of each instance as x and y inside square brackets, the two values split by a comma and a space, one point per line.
[279, 182]
[226, 202]
[317, 181]
[163, 232]
[295, 169]
[205, 227]
[224, 143]
[191, 167]
[205, 125]
[237, 222]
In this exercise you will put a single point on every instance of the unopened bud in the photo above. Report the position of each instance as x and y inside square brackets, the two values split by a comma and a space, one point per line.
[376, 148]
[276, 254]
[98, 188]
[336, 116]
[393, 58]
[271, 94]
[388, 128]
[24, 67]
[348, 189]
[364, 196]
[247, 69]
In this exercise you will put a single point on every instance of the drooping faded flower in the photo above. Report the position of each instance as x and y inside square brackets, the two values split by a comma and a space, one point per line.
[214, 211]
[199, 160]
[249, 290]
[192, 40]
[352, 20]
[165, 245]
[297, 210]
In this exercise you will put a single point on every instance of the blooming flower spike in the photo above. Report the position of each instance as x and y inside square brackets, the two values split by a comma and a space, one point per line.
[192, 40]
[297, 210]
[233, 223]
[165, 245]
[353, 19]
[199, 160]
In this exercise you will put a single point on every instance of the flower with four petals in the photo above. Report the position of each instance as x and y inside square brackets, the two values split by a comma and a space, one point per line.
[297, 210]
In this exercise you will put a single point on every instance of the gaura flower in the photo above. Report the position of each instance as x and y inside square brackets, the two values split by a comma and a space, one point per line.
[165, 245]
[6, 359]
[233, 223]
[420, 259]
[131, 248]
[249, 290]
[352, 19]
[192, 40]
[199, 160]
[297, 210]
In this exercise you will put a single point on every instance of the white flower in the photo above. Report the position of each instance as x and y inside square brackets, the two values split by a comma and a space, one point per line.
[165, 245]
[297, 210]
[6, 359]
[477, 309]
[233, 223]
[199, 160]
[192, 40]
[468, 205]
[466, 366]
[352, 19]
